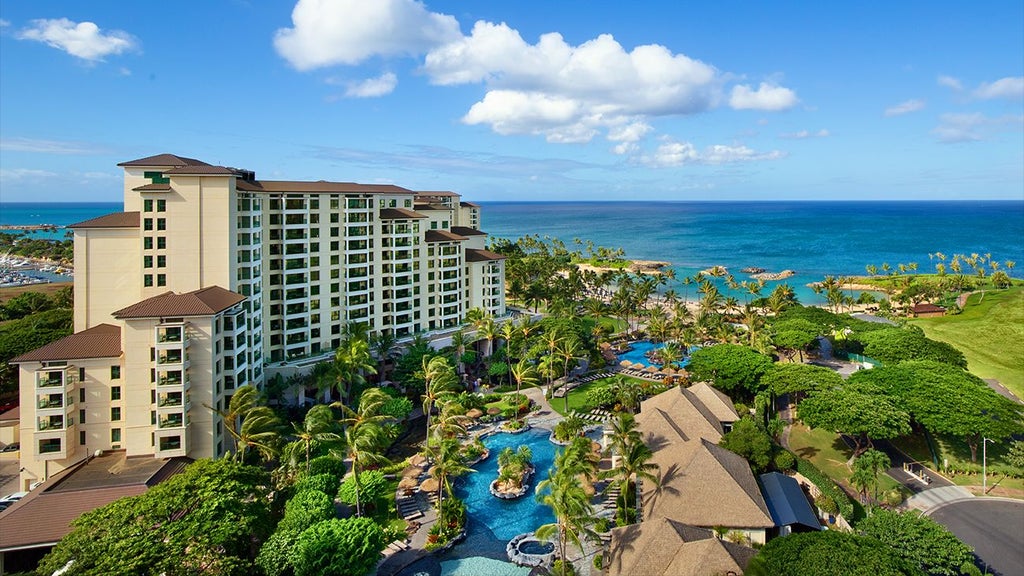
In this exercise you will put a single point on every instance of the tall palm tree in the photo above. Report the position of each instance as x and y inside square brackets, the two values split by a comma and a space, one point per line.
[569, 349]
[250, 424]
[364, 435]
[460, 341]
[574, 515]
[488, 330]
[317, 429]
[439, 381]
[351, 361]
[551, 338]
[523, 373]
[449, 463]
[383, 345]
[508, 332]
[635, 464]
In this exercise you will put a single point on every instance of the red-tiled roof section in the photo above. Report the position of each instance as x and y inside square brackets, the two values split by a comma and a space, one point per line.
[102, 341]
[205, 302]
[437, 193]
[115, 220]
[320, 186]
[399, 214]
[926, 308]
[152, 188]
[442, 236]
[467, 231]
[14, 414]
[201, 170]
[469, 204]
[44, 516]
[478, 255]
[164, 160]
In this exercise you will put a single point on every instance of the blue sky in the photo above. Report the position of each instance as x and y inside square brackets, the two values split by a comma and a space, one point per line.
[523, 100]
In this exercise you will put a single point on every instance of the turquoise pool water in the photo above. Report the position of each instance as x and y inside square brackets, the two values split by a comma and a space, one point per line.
[641, 348]
[507, 518]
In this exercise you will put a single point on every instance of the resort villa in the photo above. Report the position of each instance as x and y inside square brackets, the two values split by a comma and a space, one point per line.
[212, 279]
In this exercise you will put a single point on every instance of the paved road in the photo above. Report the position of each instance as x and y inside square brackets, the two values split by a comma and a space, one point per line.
[993, 526]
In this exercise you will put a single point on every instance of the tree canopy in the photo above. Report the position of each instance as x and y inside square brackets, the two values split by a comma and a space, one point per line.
[856, 412]
[732, 368]
[799, 379]
[748, 440]
[892, 345]
[919, 540]
[348, 547]
[208, 519]
[829, 553]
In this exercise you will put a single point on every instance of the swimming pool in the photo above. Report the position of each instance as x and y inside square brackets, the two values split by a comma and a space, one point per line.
[639, 351]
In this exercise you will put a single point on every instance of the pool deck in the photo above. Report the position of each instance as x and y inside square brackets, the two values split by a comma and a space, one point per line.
[544, 417]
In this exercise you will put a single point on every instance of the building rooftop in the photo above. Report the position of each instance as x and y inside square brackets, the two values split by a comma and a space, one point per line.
[205, 302]
[101, 341]
[786, 501]
[44, 516]
[201, 170]
[663, 547]
[479, 255]
[318, 187]
[442, 236]
[153, 187]
[467, 231]
[115, 220]
[399, 214]
[164, 160]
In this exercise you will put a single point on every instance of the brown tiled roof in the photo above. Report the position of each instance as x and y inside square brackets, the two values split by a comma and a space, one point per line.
[399, 214]
[320, 186]
[467, 231]
[926, 308]
[12, 414]
[676, 416]
[44, 516]
[115, 220]
[442, 236]
[663, 547]
[705, 485]
[205, 302]
[435, 193]
[469, 204]
[101, 341]
[159, 187]
[164, 160]
[479, 255]
[201, 170]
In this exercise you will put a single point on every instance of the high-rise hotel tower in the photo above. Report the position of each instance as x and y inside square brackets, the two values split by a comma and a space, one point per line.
[211, 277]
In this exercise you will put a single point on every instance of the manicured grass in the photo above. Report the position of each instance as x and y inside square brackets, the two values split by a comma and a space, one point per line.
[990, 333]
[956, 450]
[829, 453]
[578, 395]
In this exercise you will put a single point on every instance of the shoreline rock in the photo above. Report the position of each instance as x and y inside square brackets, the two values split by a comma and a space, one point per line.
[774, 275]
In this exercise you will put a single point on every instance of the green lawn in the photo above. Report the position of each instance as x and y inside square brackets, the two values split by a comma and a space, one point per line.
[990, 333]
[830, 454]
[578, 395]
[954, 450]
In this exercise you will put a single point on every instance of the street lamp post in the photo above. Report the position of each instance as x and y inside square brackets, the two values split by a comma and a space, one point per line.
[984, 465]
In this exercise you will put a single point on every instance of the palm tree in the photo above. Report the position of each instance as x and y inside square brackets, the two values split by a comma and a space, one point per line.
[383, 345]
[351, 360]
[439, 381]
[318, 428]
[551, 338]
[488, 330]
[460, 341]
[364, 435]
[508, 332]
[635, 463]
[574, 515]
[524, 373]
[250, 424]
[449, 463]
[569, 349]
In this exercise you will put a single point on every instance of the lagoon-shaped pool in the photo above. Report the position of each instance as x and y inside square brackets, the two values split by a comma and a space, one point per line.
[639, 350]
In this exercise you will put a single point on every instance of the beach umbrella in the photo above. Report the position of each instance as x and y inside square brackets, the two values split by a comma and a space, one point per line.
[429, 485]
[668, 370]
[474, 413]
[651, 369]
[418, 460]
[625, 363]
[638, 366]
[407, 483]
[412, 472]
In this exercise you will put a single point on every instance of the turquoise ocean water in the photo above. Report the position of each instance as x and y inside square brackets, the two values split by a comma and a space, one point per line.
[812, 238]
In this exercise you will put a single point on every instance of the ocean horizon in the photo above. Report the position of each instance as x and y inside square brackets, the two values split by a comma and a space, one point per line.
[812, 237]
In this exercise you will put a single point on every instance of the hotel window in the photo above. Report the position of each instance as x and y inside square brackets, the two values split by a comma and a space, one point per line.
[161, 205]
[147, 205]
[115, 392]
[161, 261]
[147, 223]
[161, 224]
[81, 416]
[161, 279]
[147, 243]
[161, 242]
[81, 394]
[81, 438]
[147, 280]
[115, 372]
[147, 261]
[156, 177]
[115, 435]
[115, 414]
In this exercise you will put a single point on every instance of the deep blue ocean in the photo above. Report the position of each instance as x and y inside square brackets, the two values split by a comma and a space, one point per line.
[812, 238]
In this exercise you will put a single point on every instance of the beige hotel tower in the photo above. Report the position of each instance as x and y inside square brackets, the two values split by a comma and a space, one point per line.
[211, 279]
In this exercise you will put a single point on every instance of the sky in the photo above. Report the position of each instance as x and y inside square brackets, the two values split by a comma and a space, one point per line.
[523, 100]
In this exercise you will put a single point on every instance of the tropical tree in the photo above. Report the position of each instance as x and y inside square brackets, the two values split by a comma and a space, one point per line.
[920, 540]
[866, 469]
[574, 515]
[383, 345]
[318, 429]
[352, 360]
[570, 348]
[523, 373]
[251, 425]
[364, 435]
[440, 382]
[857, 412]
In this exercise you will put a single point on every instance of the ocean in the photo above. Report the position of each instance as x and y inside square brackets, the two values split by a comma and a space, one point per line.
[811, 238]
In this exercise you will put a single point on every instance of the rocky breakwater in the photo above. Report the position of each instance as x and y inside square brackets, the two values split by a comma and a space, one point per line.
[774, 275]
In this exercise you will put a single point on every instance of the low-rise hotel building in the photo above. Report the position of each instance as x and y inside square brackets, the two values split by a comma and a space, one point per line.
[211, 279]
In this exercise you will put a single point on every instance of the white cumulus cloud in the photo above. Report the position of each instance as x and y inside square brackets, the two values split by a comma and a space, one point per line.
[973, 127]
[766, 97]
[1011, 88]
[804, 134]
[373, 87]
[904, 108]
[950, 82]
[672, 154]
[83, 40]
[331, 32]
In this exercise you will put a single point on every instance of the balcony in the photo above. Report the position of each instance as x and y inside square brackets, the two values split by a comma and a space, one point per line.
[171, 358]
[173, 420]
[55, 402]
[171, 399]
[171, 334]
[172, 379]
[55, 378]
[54, 446]
[172, 442]
[56, 422]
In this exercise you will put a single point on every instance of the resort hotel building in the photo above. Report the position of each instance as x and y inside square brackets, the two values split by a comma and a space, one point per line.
[212, 279]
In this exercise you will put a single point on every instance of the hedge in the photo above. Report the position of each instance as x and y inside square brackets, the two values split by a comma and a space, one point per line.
[827, 487]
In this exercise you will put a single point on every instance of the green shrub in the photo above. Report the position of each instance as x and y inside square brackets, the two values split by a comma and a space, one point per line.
[274, 557]
[843, 503]
[784, 460]
[338, 548]
[327, 465]
[305, 509]
[598, 562]
[560, 568]
[326, 483]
